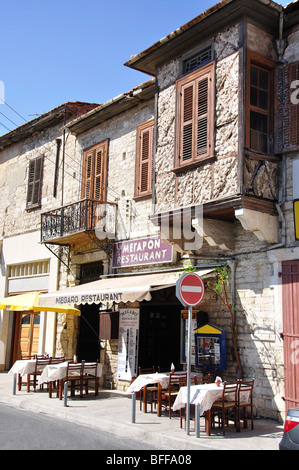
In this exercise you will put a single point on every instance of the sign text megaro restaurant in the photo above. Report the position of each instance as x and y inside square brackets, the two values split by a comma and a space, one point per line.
[142, 251]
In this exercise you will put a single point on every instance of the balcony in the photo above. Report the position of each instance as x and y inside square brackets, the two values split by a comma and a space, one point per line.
[79, 222]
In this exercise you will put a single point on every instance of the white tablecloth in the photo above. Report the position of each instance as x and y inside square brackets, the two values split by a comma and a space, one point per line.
[204, 395]
[54, 372]
[146, 379]
[24, 367]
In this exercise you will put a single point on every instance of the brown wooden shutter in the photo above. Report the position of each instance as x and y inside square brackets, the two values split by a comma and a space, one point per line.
[144, 159]
[35, 182]
[87, 175]
[287, 112]
[98, 174]
[94, 172]
[187, 124]
[195, 134]
[202, 123]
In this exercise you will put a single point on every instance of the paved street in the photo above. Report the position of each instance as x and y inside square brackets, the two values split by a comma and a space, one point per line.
[24, 430]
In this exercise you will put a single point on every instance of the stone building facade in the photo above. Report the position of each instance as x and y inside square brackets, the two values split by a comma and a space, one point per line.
[198, 156]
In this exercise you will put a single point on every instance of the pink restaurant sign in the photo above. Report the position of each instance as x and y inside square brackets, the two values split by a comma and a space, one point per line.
[141, 251]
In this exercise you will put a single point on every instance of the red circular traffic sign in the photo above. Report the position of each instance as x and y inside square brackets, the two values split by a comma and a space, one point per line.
[190, 289]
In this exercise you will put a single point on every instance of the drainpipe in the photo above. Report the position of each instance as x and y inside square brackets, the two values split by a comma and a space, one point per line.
[155, 147]
[281, 43]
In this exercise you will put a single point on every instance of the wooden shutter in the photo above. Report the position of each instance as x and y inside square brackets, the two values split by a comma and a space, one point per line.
[94, 172]
[87, 175]
[287, 110]
[98, 174]
[187, 122]
[202, 115]
[195, 129]
[144, 159]
[35, 182]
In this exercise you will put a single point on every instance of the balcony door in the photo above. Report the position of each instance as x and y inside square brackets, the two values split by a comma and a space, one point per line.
[94, 172]
[94, 185]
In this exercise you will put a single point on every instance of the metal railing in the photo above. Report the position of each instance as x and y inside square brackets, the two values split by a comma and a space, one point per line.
[81, 216]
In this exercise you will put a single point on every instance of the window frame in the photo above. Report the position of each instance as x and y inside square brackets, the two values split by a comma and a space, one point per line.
[35, 183]
[141, 131]
[192, 80]
[90, 193]
[261, 62]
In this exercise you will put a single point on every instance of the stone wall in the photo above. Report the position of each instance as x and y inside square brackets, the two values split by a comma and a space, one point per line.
[218, 178]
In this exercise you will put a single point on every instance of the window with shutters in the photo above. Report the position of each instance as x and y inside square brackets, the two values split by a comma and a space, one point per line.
[287, 108]
[94, 172]
[259, 104]
[35, 177]
[144, 159]
[195, 119]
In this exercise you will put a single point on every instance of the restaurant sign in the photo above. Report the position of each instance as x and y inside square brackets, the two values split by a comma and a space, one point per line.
[141, 251]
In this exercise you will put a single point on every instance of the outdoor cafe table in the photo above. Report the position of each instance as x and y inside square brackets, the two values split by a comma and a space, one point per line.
[25, 367]
[204, 396]
[53, 372]
[141, 382]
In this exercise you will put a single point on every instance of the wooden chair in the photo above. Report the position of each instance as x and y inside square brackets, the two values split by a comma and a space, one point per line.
[245, 387]
[51, 384]
[150, 390]
[20, 381]
[228, 403]
[74, 377]
[169, 394]
[90, 374]
[40, 364]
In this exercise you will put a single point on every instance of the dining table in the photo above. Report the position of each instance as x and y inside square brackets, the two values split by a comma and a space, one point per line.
[203, 396]
[58, 372]
[143, 380]
[27, 367]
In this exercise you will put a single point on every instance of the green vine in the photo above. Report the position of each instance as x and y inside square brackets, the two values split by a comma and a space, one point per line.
[220, 287]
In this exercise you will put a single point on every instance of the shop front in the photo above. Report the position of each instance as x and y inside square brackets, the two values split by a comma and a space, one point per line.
[138, 320]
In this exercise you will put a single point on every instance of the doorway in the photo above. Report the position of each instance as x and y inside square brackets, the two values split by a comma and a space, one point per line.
[26, 336]
[290, 302]
[159, 331]
[88, 348]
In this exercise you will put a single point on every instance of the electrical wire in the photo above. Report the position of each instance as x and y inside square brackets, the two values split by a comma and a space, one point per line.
[13, 110]
[3, 125]
[71, 158]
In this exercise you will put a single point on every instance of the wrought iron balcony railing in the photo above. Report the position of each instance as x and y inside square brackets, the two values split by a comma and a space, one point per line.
[65, 224]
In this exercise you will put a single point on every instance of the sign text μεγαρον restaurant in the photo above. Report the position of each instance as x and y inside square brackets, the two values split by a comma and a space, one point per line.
[141, 251]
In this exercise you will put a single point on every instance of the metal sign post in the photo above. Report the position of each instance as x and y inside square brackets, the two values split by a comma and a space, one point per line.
[190, 292]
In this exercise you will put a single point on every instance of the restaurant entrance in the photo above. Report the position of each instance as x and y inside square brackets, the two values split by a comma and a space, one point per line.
[88, 348]
[159, 335]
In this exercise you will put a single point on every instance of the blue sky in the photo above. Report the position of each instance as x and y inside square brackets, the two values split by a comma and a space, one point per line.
[56, 51]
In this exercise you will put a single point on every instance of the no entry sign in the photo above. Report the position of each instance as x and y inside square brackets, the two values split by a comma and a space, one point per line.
[190, 289]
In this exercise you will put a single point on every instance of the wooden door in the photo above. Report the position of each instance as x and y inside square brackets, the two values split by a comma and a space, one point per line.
[26, 335]
[290, 298]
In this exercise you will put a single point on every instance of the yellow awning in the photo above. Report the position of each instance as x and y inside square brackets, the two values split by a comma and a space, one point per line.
[31, 302]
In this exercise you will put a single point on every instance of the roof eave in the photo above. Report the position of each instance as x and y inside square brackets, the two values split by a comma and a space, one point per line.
[113, 107]
[204, 25]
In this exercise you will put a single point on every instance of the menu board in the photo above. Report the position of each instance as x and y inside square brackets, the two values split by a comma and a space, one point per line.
[128, 343]
[184, 336]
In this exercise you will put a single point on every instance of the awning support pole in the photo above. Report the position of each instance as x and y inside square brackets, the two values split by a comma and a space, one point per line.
[133, 407]
[14, 388]
[65, 393]
[197, 420]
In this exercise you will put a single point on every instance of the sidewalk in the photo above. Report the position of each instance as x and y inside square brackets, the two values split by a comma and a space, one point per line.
[111, 412]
